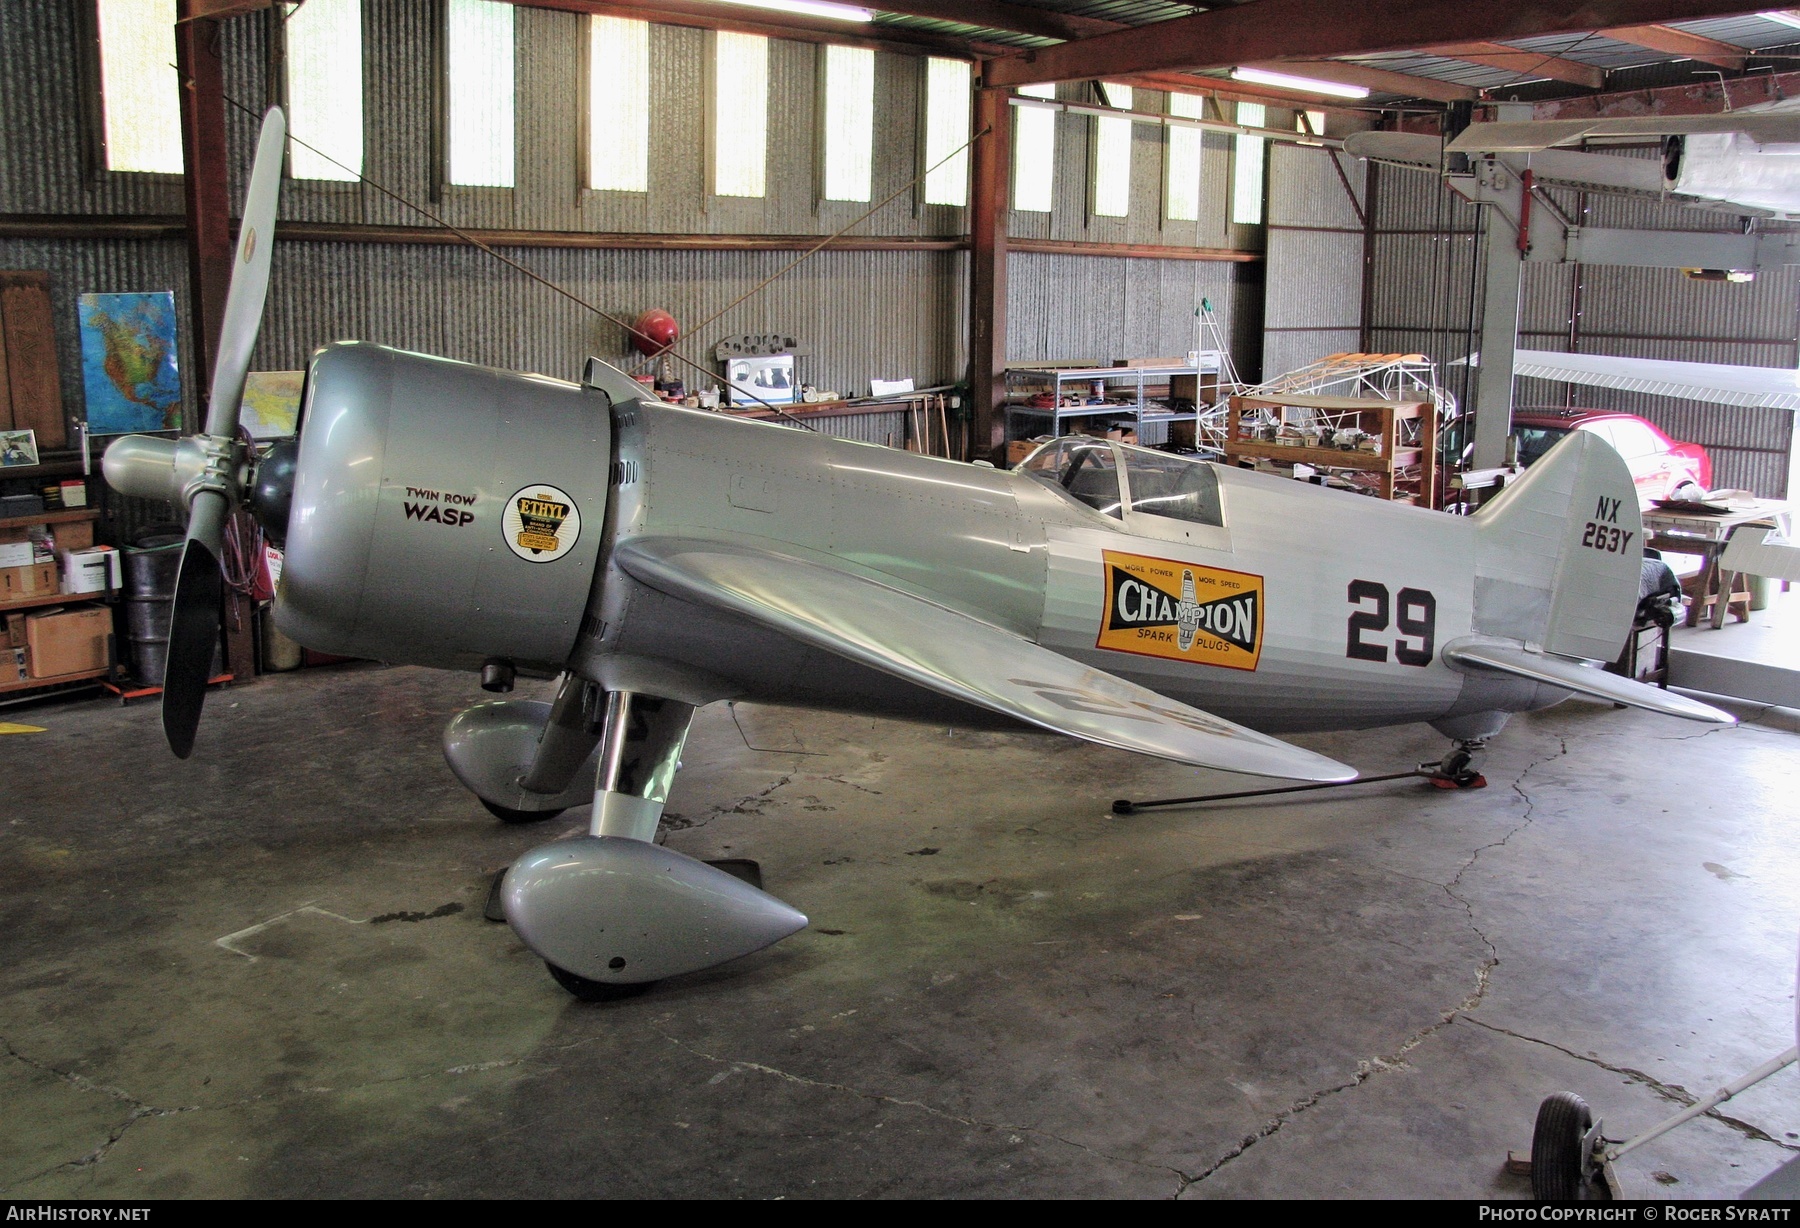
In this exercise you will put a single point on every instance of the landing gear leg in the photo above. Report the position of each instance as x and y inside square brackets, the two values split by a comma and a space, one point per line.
[640, 748]
[1461, 768]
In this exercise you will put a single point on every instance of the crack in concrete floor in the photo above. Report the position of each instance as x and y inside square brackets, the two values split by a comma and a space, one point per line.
[904, 1102]
[141, 1111]
[1673, 1092]
[673, 823]
[1368, 1068]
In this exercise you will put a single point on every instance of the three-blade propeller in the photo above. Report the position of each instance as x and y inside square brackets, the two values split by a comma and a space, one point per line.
[208, 471]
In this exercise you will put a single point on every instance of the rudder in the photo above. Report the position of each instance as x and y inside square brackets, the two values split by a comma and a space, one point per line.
[1559, 553]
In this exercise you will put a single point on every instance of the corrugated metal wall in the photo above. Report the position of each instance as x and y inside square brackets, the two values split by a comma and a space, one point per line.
[857, 314]
[1424, 248]
[1426, 257]
[1081, 308]
[1076, 308]
[1312, 303]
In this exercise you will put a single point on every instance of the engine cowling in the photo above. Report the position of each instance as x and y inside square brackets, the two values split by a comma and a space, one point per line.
[442, 513]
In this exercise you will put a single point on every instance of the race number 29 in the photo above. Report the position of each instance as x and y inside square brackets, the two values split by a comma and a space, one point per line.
[1412, 613]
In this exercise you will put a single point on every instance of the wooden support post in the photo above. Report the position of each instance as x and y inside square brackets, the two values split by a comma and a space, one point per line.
[210, 249]
[208, 198]
[988, 206]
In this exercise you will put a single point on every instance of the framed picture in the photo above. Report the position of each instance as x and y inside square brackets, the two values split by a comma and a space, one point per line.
[128, 368]
[18, 448]
[272, 403]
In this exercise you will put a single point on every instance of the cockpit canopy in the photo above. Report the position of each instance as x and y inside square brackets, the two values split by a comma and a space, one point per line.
[1159, 483]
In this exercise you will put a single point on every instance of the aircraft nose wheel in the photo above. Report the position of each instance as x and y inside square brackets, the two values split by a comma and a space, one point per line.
[1460, 769]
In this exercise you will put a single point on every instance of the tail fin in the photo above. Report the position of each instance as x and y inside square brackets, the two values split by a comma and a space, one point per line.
[1560, 552]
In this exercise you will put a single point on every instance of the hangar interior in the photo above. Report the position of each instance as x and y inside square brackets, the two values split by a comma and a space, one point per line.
[886, 303]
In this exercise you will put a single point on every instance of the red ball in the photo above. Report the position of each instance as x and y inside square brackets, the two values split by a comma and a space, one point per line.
[655, 330]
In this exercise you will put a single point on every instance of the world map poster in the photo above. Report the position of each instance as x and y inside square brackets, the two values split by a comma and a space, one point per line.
[128, 362]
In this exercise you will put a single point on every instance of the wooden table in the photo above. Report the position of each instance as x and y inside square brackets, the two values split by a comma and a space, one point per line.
[1705, 535]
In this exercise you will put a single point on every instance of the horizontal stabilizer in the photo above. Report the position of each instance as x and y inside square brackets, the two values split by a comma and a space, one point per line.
[1477, 656]
[957, 655]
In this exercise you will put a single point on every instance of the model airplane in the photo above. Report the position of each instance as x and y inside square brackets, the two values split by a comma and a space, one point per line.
[657, 559]
[1741, 161]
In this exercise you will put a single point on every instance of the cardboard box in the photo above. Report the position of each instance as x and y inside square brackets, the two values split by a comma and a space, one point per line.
[91, 571]
[12, 630]
[78, 535]
[14, 665]
[1018, 449]
[17, 583]
[67, 641]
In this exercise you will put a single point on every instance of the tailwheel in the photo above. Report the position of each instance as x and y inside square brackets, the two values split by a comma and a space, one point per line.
[1459, 768]
[595, 991]
[507, 814]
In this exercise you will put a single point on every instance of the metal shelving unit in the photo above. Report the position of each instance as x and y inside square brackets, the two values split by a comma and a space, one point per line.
[1103, 392]
[33, 688]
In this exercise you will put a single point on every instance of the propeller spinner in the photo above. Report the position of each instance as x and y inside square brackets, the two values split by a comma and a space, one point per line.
[209, 472]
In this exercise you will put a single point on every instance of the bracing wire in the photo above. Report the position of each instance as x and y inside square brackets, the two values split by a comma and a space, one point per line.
[668, 350]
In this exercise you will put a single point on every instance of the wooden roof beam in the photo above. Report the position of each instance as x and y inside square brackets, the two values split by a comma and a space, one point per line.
[1525, 63]
[1670, 41]
[1304, 29]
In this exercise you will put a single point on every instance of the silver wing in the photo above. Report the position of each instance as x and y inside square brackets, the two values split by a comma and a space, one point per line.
[957, 655]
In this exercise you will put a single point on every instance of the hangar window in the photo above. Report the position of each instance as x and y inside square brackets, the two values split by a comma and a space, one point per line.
[740, 113]
[324, 57]
[140, 96]
[1247, 167]
[946, 131]
[1165, 485]
[1086, 470]
[618, 104]
[1186, 147]
[1112, 154]
[1034, 151]
[479, 93]
[849, 127]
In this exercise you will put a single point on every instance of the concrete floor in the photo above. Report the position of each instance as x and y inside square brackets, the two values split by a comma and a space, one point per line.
[1006, 990]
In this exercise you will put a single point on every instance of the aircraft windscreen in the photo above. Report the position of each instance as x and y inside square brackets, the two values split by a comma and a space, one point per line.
[1084, 469]
[1165, 485]
[1534, 441]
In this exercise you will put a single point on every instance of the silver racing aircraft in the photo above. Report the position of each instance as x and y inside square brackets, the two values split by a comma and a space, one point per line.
[657, 559]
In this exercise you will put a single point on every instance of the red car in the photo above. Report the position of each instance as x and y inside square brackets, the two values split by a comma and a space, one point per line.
[1658, 464]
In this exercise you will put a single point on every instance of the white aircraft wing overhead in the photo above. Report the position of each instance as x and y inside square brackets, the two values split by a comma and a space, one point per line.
[959, 656]
[1768, 387]
[1531, 135]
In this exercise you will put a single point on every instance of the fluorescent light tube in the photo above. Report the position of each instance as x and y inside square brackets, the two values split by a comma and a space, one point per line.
[1281, 80]
[809, 8]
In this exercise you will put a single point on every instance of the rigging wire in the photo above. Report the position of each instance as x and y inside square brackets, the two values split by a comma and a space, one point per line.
[668, 350]
[817, 247]
[470, 239]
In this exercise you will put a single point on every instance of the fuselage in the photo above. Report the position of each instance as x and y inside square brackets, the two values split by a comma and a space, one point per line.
[1325, 608]
[449, 515]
